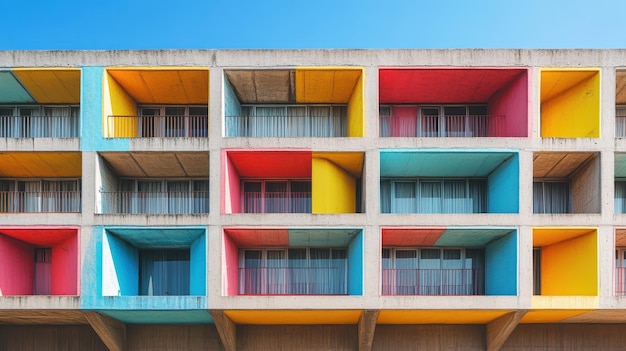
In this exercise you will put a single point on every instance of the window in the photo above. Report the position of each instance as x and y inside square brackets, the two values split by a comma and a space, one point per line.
[289, 121]
[435, 121]
[620, 122]
[434, 195]
[537, 271]
[433, 271]
[47, 121]
[551, 196]
[293, 271]
[164, 272]
[43, 270]
[164, 196]
[19, 195]
[620, 271]
[276, 196]
[620, 196]
[173, 121]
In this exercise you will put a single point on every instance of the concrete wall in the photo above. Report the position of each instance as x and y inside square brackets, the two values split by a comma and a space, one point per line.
[586, 188]
[106, 181]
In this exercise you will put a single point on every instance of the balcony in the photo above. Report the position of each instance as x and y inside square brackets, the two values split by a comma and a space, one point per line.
[295, 181]
[570, 103]
[449, 261]
[40, 103]
[153, 183]
[555, 273]
[156, 102]
[303, 102]
[454, 181]
[39, 261]
[35, 182]
[566, 182]
[420, 102]
[293, 261]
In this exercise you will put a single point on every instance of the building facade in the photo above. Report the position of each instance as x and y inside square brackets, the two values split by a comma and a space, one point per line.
[313, 200]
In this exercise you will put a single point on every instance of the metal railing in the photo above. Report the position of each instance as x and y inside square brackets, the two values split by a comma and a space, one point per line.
[438, 282]
[276, 202]
[171, 202]
[292, 281]
[620, 126]
[170, 126]
[39, 127]
[39, 201]
[467, 126]
[286, 126]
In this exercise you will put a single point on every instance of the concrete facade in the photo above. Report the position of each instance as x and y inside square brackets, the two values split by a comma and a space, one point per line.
[561, 128]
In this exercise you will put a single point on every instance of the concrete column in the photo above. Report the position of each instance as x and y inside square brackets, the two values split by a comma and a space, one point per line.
[499, 329]
[111, 331]
[226, 328]
[367, 328]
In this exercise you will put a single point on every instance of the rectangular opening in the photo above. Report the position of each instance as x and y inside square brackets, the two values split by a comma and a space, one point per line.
[276, 196]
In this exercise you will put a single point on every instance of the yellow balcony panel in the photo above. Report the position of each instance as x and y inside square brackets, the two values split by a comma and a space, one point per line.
[51, 85]
[439, 316]
[40, 164]
[158, 85]
[265, 317]
[334, 176]
[326, 84]
[570, 103]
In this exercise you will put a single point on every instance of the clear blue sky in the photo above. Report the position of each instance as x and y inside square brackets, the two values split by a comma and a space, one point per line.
[208, 24]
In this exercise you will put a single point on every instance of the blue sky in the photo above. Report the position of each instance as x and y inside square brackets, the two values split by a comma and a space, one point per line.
[208, 24]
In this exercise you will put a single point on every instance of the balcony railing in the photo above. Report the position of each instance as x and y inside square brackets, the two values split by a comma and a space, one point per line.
[277, 202]
[439, 282]
[286, 126]
[292, 281]
[39, 201]
[620, 126]
[159, 126]
[39, 127]
[467, 126]
[172, 202]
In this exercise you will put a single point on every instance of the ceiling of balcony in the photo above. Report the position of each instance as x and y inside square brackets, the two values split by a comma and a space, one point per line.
[461, 237]
[46, 237]
[620, 88]
[164, 85]
[260, 238]
[549, 236]
[145, 238]
[158, 164]
[300, 85]
[42, 86]
[556, 82]
[559, 164]
[270, 164]
[443, 85]
[620, 237]
[40, 164]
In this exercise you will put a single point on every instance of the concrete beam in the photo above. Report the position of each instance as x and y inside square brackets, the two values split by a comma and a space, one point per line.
[367, 327]
[499, 329]
[111, 331]
[226, 328]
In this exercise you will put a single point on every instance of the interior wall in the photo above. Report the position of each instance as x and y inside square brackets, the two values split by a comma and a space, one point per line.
[503, 187]
[120, 267]
[65, 267]
[570, 267]
[501, 266]
[333, 190]
[230, 266]
[17, 267]
[356, 110]
[117, 102]
[197, 266]
[230, 192]
[355, 266]
[106, 181]
[512, 102]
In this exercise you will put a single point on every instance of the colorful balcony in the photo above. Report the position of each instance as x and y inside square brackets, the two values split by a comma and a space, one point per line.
[293, 261]
[566, 182]
[570, 103]
[148, 274]
[40, 182]
[452, 261]
[620, 104]
[430, 102]
[153, 183]
[39, 261]
[295, 181]
[156, 102]
[620, 262]
[565, 261]
[40, 103]
[449, 181]
[321, 102]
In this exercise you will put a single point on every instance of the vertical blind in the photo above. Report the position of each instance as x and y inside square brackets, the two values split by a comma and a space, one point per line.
[43, 271]
[551, 197]
[164, 272]
[52, 121]
[294, 271]
[465, 195]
